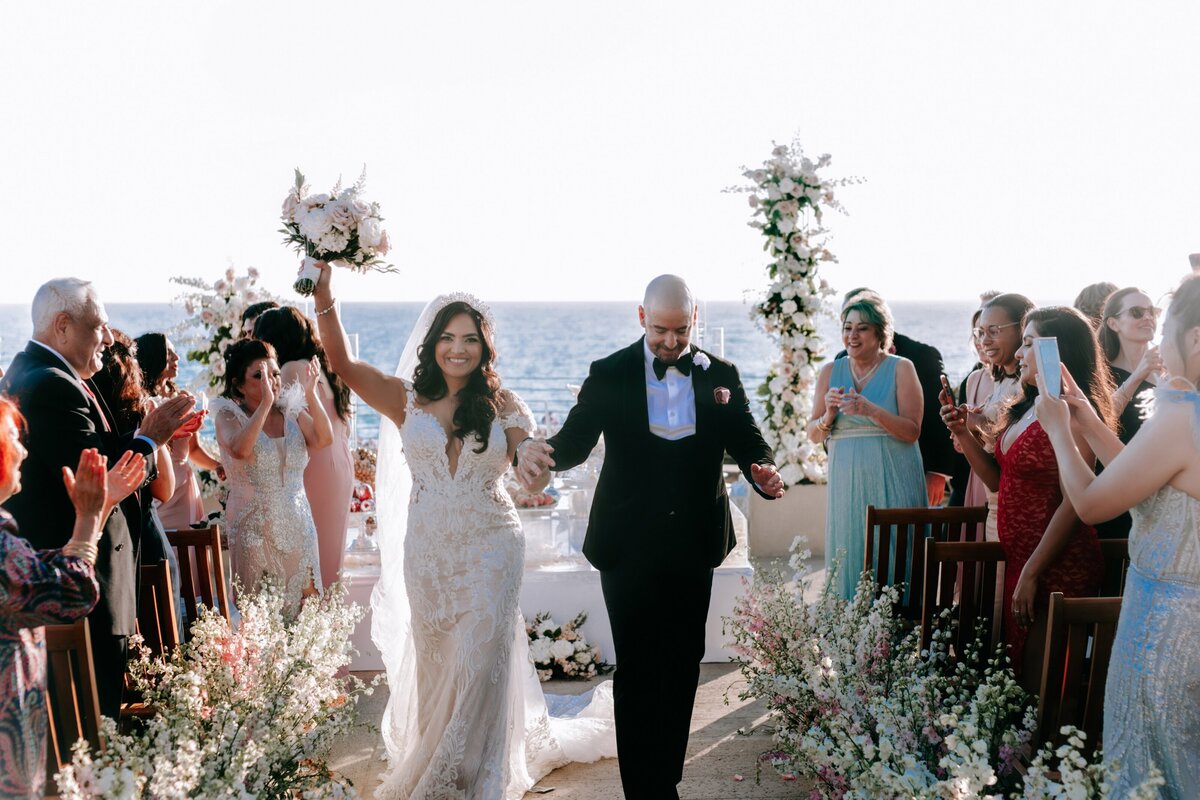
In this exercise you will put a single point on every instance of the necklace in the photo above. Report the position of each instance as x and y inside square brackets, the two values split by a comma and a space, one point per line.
[860, 382]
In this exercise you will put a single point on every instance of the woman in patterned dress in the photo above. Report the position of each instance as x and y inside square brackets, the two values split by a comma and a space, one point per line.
[1046, 546]
[43, 587]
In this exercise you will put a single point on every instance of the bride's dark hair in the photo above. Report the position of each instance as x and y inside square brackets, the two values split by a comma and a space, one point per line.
[478, 401]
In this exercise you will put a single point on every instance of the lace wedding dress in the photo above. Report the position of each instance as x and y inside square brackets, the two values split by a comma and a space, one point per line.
[466, 718]
[1152, 698]
[267, 515]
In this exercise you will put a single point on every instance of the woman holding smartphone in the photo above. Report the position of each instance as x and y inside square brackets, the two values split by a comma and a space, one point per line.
[1046, 546]
[1152, 695]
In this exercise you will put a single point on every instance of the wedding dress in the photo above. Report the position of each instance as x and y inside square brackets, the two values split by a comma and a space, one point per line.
[267, 515]
[1152, 697]
[466, 718]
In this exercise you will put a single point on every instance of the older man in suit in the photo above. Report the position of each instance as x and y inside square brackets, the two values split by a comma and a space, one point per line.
[50, 381]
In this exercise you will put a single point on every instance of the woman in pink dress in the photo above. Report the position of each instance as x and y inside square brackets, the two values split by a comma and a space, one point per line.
[329, 477]
[160, 366]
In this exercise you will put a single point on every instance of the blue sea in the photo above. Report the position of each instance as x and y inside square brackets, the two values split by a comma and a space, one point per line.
[544, 347]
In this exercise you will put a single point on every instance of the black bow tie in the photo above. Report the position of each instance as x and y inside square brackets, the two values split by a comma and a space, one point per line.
[684, 365]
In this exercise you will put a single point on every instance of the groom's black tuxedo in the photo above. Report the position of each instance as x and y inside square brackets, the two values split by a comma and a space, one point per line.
[62, 422]
[659, 524]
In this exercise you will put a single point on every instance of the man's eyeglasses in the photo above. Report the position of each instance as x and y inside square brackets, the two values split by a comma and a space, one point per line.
[1140, 312]
[992, 330]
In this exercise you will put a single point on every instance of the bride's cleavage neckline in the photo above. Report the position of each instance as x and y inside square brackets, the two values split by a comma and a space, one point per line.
[448, 438]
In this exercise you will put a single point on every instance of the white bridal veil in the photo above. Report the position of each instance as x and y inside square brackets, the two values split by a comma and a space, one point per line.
[547, 743]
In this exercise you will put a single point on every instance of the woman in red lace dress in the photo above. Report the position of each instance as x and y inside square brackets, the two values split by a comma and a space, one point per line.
[1046, 546]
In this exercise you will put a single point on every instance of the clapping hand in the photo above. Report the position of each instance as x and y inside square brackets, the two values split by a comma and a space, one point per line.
[833, 399]
[87, 485]
[311, 373]
[533, 461]
[126, 475]
[767, 479]
[854, 403]
[162, 422]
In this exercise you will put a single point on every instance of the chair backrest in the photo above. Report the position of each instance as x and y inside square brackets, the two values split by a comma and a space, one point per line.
[963, 577]
[201, 570]
[1116, 563]
[1079, 640]
[157, 609]
[71, 701]
[895, 544]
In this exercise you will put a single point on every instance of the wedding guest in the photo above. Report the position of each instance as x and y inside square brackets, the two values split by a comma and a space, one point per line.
[999, 337]
[965, 488]
[160, 366]
[1129, 325]
[867, 409]
[937, 452]
[1151, 713]
[264, 442]
[329, 476]
[1047, 547]
[251, 315]
[39, 587]
[1090, 301]
[49, 381]
[118, 387]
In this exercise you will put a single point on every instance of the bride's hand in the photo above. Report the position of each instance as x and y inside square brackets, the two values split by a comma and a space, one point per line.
[533, 461]
[323, 294]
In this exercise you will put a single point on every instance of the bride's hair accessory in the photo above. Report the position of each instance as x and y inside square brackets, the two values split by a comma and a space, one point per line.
[485, 311]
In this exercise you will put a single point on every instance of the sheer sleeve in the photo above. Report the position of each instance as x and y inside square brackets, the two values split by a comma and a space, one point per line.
[515, 414]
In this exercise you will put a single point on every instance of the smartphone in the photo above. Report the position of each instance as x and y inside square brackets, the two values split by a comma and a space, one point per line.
[948, 393]
[1049, 364]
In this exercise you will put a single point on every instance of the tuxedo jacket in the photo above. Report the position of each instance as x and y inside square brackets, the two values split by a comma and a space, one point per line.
[658, 499]
[937, 449]
[62, 422]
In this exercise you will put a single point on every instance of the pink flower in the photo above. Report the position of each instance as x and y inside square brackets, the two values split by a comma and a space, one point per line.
[384, 244]
[722, 395]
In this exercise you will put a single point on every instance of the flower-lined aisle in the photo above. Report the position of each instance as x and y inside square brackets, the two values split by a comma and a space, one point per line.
[863, 712]
[245, 711]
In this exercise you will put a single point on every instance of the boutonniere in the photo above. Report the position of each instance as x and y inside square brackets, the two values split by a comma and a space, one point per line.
[722, 395]
[701, 360]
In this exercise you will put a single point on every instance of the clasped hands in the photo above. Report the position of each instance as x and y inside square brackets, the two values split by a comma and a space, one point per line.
[535, 460]
[848, 401]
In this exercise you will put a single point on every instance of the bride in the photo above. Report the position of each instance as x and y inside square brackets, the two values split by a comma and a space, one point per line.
[466, 717]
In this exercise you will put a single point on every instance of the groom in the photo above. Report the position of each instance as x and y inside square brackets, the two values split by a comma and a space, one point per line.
[660, 520]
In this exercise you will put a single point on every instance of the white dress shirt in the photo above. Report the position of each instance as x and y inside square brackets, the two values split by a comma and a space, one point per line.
[671, 402]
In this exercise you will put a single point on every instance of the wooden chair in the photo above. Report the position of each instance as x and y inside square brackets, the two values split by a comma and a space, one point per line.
[970, 572]
[1079, 640]
[907, 529]
[201, 571]
[1116, 564]
[158, 625]
[71, 701]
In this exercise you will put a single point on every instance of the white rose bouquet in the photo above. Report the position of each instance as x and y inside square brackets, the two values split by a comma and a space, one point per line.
[561, 651]
[340, 227]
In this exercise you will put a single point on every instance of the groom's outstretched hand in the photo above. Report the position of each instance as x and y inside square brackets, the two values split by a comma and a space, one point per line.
[766, 478]
[533, 462]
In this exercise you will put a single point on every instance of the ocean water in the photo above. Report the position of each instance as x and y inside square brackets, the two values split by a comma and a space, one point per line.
[545, 347]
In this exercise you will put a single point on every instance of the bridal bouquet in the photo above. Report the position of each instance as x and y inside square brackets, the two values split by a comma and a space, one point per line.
[249, 711]
[560, 651]
[340, 228]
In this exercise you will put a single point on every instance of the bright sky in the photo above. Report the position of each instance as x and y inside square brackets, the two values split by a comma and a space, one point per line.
[556, 150]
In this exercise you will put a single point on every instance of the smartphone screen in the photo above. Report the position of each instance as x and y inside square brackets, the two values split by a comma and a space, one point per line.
[1049, 364]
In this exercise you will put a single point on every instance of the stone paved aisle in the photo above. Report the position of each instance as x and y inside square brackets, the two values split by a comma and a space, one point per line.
[715, 753]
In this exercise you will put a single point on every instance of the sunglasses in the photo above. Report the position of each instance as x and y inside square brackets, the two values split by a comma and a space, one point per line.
[1141, 312]
[992, 330]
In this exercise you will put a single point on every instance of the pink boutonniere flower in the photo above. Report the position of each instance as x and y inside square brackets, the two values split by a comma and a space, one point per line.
[722, 395]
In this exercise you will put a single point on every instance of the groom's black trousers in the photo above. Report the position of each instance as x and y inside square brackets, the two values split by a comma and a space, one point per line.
[657, 611]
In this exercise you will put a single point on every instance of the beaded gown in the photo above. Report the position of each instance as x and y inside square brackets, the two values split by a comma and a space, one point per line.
[1029, 495]
[1152, 697]
[466, 719]
[270, 524]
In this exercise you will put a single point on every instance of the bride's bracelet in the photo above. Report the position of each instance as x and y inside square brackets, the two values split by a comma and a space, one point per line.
[323, 312]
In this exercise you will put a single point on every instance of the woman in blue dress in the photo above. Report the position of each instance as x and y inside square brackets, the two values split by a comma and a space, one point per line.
[867, 410]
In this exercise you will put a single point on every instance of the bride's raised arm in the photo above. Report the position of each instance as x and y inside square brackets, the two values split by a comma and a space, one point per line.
[382, 392]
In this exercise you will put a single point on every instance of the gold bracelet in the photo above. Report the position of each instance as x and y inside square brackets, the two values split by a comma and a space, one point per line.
[823, 427]
[332, 306]
[82, 550]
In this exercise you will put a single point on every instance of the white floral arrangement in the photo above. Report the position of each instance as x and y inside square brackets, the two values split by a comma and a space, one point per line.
[241, 712]
[1070, 771]
[340, 227]
[861, 712]
[214, 321]
[561, 651]
[789, 198]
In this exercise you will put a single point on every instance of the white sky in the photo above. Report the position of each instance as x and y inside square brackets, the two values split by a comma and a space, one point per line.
[562, 150]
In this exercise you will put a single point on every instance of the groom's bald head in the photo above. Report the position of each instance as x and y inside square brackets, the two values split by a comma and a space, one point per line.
[668, 313]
